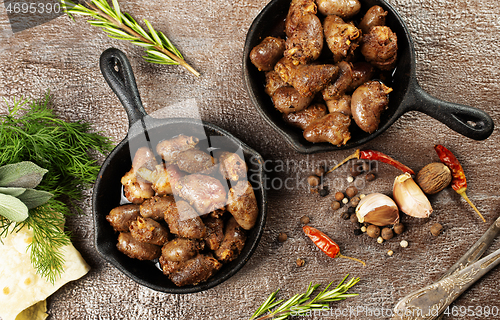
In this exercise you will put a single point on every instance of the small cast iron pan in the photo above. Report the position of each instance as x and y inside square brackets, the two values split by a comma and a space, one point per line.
[407, 94]
[144, 131]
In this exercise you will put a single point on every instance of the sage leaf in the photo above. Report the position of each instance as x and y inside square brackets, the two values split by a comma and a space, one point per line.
[12, 208]
[12, 191]
[23, 174]
[33, 198]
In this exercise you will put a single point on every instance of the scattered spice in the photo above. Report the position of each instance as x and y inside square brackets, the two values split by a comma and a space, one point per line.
[403, 243]
[313, 181]
[300, 262]
[323, 192]
[282, 237]
[361, 196]
[390, 253]
[350, 179]
[434, 177]
[339, 196]
[354, 219]
[366, 166]
[363, 229]
[370, 176]
[345, 201]
[355, 201]
[356, 169]
[436, 229]
[351, 210]
[458, 182]
[319, 171]
[357, 232]
[346, 216]
[374, 155]
[387, 233]
[304, 220]
[380, 239]
[399, 228]
[327, 245]
[335, 205]
[373, 231]
[351, 191]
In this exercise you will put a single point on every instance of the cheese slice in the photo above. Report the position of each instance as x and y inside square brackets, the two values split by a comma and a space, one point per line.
[21, 287]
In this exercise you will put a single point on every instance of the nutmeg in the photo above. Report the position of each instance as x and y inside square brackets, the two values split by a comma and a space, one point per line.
[434, 177]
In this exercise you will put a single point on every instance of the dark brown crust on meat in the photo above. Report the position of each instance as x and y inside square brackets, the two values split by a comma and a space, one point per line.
[121, 217]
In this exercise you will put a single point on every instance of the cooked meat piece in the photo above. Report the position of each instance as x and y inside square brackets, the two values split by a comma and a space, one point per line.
[195, 271]
[180, 249]
[342, 38]
[185, 222]
[232, 166]
[306, 42]
[148, 231]
[215, 232]
[336, 89]
[144, 158]
[342, 105]
[288, 99]
[368, 102]
[169, 149]
[302, 119]
[162, 178]
[333, 128]
[217, 213]
[375, 16]
[233, 243]
[380, 47]
[168, 267]
[121, 217]
[242, 204]
[193, 161]
[136, 249]
[298, 9]
[156, 207]
[203, 192]
[136, 189]
[361, 73]
[273, 82]
[341, 8]
[265, 55]
[307, 79]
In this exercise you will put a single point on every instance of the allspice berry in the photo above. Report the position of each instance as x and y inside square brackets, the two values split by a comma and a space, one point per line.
[354, 218]
[282, 237]
[346, 216]
[370, 176]
[399, 228]
[304, 220]
[339, 196]
[320, 170]
[335, 205]
[387, 233]
[351, 191]
[313, 181]
[373, 231]
[300, 262]
[436, 229]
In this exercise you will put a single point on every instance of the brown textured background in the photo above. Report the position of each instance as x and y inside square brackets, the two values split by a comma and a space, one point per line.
[457, 60]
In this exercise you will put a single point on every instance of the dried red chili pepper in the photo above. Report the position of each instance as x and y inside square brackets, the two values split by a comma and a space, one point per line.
[326, 244]
[458, 182]
[374, 155]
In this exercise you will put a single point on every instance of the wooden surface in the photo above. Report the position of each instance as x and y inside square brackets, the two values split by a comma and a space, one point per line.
[457, 57]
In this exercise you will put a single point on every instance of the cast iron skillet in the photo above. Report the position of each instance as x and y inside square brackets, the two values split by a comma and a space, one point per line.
[144, 131]
[407, 94]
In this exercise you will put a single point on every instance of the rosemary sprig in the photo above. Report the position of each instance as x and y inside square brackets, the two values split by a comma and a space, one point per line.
[30, 131]
[120, 25]
[302, 304]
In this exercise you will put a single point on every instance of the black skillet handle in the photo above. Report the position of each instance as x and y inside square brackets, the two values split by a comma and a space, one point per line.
[468, 121]
[118, 73]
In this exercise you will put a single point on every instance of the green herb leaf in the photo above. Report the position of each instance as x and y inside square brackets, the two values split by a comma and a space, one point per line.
[12, 191]
[23, 174]
[12, 208]
[33, 198]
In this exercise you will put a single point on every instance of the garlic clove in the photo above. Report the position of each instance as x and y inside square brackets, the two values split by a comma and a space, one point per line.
[377, 209]
[410, 198]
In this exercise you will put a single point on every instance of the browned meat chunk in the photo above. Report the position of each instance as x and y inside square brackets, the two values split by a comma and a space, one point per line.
[342, 38]
[307, 79]
[203, 192]
[195, 270]
[136, 249]
[168, 267]
[194, 160]
[342, 105]
[368, 102]
[336, 89]
[148, 231]
[375, 16]
[333, 128]
[242, 204]
[273, 82]
[215, 232]
[144, 158]
[180, 250]
[136, 189]
[298, 9]
[265, 55]
[233, 243]
[306, 42]
[341, 8]
[302, 119]
[121, 217]
[380, 47]
[156, 207]
[162, 178]
[361, 73]
[170, 149]
[185, 222]
[288, 99]
[232, 167]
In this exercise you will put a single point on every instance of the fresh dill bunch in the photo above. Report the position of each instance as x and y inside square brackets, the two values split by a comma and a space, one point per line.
[30, 131]
[302, 304]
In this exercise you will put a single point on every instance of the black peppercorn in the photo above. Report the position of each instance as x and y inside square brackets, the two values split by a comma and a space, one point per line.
[323, 192]
[357, 232]
[346, 216]
[351, 210]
